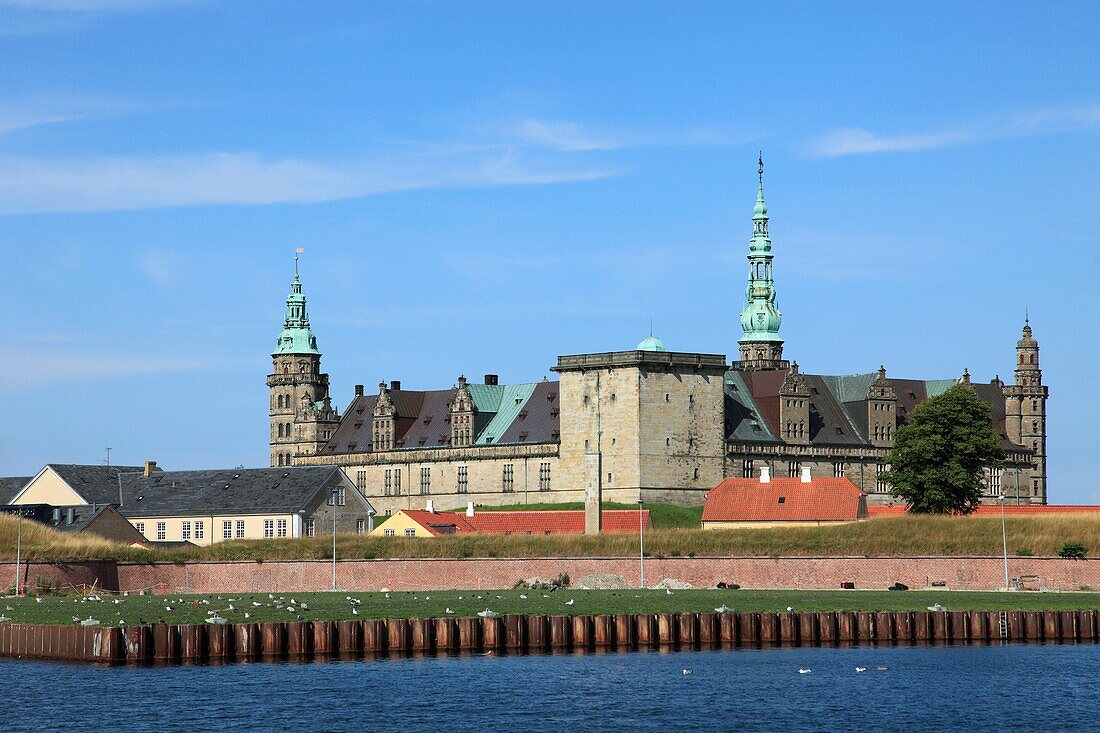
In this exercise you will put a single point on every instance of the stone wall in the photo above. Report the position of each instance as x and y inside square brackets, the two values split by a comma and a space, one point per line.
[957, 573]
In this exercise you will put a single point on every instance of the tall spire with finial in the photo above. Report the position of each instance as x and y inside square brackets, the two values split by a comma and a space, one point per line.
[760, 320]
[296, 336]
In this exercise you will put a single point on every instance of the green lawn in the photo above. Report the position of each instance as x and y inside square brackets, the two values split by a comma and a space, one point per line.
[336, 606]
[664, 516]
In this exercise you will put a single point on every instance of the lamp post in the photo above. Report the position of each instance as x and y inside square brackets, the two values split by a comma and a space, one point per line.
[641, 546]
[332, 493]
[18, 550]
[1004, 538]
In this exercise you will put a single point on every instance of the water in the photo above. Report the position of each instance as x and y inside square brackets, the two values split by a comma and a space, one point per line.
[994, 688]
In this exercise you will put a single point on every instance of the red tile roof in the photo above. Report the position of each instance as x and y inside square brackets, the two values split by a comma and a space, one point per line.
[824, 499]
[988, 509]
[524, 522]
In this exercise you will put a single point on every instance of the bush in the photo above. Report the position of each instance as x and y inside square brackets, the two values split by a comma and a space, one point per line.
[562, 581]
[1023, 552]
[1072, 551]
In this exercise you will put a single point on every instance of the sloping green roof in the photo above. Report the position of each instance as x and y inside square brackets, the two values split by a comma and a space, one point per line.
[936, 387]
[486, 396]
[510, 401]
[849, 387]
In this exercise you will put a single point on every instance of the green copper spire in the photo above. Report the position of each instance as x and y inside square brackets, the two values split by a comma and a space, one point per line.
[760, 319]
[296, 338]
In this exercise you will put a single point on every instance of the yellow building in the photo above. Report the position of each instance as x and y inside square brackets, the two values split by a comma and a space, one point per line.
[204, 507]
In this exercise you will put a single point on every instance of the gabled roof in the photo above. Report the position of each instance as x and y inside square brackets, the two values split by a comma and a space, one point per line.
[281, 490]
[783, 499]
[12, 485]
[95, 484]
[523, 522]
[509, 413]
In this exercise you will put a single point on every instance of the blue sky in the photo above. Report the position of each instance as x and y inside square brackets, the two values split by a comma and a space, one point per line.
[480, 187]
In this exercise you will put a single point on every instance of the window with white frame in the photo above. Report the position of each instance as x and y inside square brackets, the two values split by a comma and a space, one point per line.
[227, 529]
[200, 530]
[281, 528]
[311, 527]
[336, 494]
[746, 468]
[397, 482]
[794, 469]
[880, 485]
[838, 469]
[388, 533]
[140, 527]
[240, 529]
[544, 477]
[410, 532]
[185, 531]
[360, 526]
[463, 484]
[508, 478]
[269, 528]
[361, 480]
[162, 530]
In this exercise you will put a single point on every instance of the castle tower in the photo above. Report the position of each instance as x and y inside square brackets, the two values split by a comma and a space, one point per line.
[794, 408]
[462, 416]
[302, 417]
[1026, 411]
[882, 414]
[760, 346]
[382, 421]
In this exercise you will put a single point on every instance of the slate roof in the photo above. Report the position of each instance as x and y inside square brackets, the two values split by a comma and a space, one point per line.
[12, 485]
[97, 484]
[280, 490]
[783, 499]
[524, 522]
[838, 405]
[511, 413]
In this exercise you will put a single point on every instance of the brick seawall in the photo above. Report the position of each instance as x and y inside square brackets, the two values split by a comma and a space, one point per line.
[958, 573]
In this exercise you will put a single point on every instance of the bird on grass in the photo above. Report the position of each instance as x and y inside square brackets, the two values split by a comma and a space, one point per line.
[354, 612]
[448, 610]
[523, 596]
[789, 609]
[668, 591]
[569, 602]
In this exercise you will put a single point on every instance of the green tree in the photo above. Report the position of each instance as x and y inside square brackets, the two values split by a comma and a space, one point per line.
[937, 460]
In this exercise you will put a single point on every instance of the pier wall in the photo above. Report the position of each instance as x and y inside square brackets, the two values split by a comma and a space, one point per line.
[956, 573]
[300, 640]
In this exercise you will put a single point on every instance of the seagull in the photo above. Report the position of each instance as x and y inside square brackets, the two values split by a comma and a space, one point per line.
[354, 612]
[936, 607]
[523, 596]
[723, 609]
[668, 591]
[231, 607]
[804, 671]
[39, 600]
[569, 602]
[789, 609]
[687, 672]
[448, 610]
[167, 608]
[247, 614]
[257, 603]
[304, 607]
[861, 669]
[487, 613]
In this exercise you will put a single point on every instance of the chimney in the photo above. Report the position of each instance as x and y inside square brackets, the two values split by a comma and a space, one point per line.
[358, 390]
[430, 506]
[492, 379]
[56, 516]
[765, 475]
[395, 385]
[70, 516]
[469, 509]
[150, 466]
[805, 474]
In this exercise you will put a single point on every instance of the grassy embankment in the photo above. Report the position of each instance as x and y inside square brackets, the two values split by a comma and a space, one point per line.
[885, 536]
[182, 609]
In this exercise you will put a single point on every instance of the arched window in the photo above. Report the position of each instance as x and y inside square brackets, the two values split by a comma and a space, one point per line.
[280, 430]
[1031, 359]
[286, 369]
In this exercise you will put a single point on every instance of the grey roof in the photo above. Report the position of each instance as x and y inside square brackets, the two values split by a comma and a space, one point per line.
[838, 405]
[82, 517]
[12, 485]
[97, 484]
[517, 413]
[281, 490]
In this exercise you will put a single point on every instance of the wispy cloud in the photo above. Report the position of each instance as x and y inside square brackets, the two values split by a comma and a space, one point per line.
[33, 368]
[88, 6]
[856, 141]
[159, 265]
[37, 185]
[19, 114]
[573, 136]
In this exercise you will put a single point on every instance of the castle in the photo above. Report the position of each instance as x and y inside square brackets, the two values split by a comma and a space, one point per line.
[641, 424]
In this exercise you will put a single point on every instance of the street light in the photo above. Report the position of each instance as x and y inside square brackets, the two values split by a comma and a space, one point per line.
[332, 492]
[18, 550]
[641, 546]
[1004, 537]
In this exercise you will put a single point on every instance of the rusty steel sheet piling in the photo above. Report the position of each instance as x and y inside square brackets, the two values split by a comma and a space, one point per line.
[624, 631]
[645, 630]
[727, 629]
[582, 632]
[374, 636]
[538, 633]
[666, 628]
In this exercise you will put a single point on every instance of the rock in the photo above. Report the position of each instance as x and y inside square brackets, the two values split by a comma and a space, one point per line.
[673, 584]
[601, 581]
